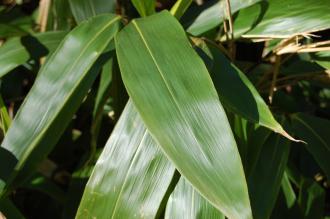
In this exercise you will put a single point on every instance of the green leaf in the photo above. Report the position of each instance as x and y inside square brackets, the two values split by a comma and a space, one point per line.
[186, 203]
[173, 92]
[265, 181]
[5, 119]
[285, 18]
[131, 176]
[84, 9]
[315, 131]
[230, 81]
[61, 14]
[215, 14]
[180, 7]
[17, 51]
[144, 7]
[61, 85]
[312, 199]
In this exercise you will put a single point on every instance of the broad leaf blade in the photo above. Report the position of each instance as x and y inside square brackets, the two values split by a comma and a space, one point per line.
[84, 9]
[131, 176]
[315, 131]
[17, 51]
[173, 92]
[144, 7]
[186, 203]
[58, 91]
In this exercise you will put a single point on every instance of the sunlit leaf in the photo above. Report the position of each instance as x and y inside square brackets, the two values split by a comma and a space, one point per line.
[174, 94]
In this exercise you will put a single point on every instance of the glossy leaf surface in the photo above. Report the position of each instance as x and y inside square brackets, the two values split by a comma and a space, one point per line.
[60, 87]
[131, 176]
[186, 203]
[174, 94]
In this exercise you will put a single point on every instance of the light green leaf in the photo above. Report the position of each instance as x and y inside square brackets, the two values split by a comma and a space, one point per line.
[312, 199]
[61, 85]
[5, 119]
[180, 7]
[144, 7]
[186, 203]
[215, 14]
[285, 18]
[84, 9]
[174, 94]
[315, 131]
[265, 181]
[17, 51]
[131, 176]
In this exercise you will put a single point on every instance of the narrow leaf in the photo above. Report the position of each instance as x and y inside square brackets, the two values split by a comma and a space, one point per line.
[60, 87]
[285, 18]
[230, 81]
[131, 176]
[17, 51]
[173, 92]
[5, 119]
[215, 14]
[265, 181]
[180, 7]
[186, 203]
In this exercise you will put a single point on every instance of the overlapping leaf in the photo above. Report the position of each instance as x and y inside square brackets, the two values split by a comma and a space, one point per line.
[186, 203]
[173, 92]
[131, 176]
[55, 96]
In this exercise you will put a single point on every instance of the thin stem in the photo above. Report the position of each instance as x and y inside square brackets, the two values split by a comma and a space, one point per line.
[232, 49]
[275, 74]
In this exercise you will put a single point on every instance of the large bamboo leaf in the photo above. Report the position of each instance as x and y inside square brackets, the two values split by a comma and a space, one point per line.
[265, 180]
[57, 93]
[315, 131]
[186, 203]
[144, 7]
[215, 14]
[230, 81]
[285, 18]
[84, 9]
[18, 50]
[131, 176]
[173, 92]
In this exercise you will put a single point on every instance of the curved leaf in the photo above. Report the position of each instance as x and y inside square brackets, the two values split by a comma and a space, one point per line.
[215, 14]
[186, 203]
[17, 51]
[56, 94]
[131, 176]
[180, 7]
[173, 92]
[285, 18]
[230, 81]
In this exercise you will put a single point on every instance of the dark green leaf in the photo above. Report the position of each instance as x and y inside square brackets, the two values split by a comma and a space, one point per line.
[174, 94]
